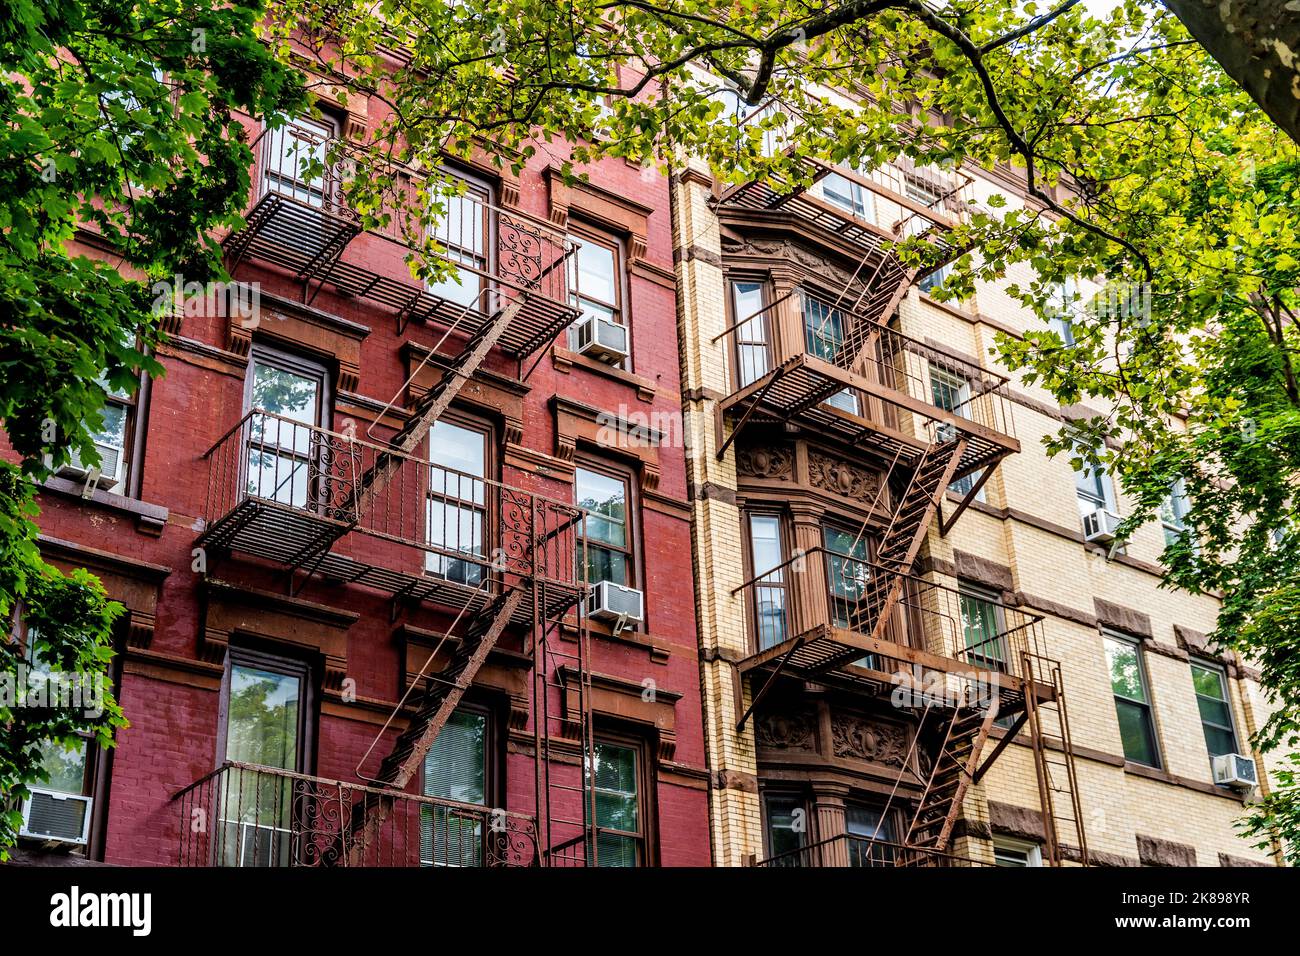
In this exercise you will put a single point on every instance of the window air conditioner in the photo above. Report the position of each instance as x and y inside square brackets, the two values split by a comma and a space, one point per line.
[1234, 770]
[1100, 526]
[601, 338]
[56, 817]
[614, 602]
[110, 464]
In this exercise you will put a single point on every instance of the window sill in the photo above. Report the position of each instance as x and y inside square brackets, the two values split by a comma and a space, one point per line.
[566, 360]
[657, 649]
[149, 519]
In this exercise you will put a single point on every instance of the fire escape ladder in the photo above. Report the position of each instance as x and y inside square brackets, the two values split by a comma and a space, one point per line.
[909, 524]
[950, 776]
[435, 402]
[442, 697]
[1053, 748]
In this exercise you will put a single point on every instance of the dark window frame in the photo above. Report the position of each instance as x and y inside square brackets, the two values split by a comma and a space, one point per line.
[308, 701]
[491, 462]
[646, 839]
[484, 191]
[799, 799]
[1231, 728]
[1147, 706]
[785, 543]
[590, 233]
[768, 327]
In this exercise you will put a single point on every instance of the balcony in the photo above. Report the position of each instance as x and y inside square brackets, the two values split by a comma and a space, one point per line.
[849, 850]
[261, 816]
[300, 222]
[867, 210]
[308, 499]
[829, 618]
[841, 375]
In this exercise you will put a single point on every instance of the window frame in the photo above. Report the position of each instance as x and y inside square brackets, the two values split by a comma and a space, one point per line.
[799, 800]
[644, 838]
[739, 323]
[481, 265]
[1226, 700]
[809, 294]
[492, 773]
[751, 572]
[1032, 851]
[329, 125]
[293, 363]
[631, 508]
[1175, 530]
[490, 508]
[1108, 502]
[620, 311]
[1148, 705]
[970, 590]
[276, 663]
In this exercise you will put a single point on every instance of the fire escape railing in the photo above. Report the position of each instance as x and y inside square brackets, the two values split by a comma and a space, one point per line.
[851, 850]
[248, 815]
[293, 493]
[300, 220]
[870, 385]
[818, 608]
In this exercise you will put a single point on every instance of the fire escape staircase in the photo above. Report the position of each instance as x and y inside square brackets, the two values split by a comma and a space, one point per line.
[443, 696]
[953, 770]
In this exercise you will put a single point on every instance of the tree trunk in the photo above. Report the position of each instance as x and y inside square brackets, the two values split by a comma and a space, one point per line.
[1257, 42]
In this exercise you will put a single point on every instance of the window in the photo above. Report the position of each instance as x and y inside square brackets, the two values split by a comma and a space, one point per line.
[871, 836]
[1211, 686]
[952, 393]
[935, 279]
[849, 195]
[293, 162]
[1009, 852]
[456, 516]
[607, 537]
[1173, 513]
[264, 708]
[770, 594]
[787, 827]
[455, 768]
[753, 349]
[848, 571]
[825, 329]
[462, 229]
[982, 627]
[282, 442]
[1132, 705]
[596, 281]
[1093, 488]
[620, 827]
[1063, 300]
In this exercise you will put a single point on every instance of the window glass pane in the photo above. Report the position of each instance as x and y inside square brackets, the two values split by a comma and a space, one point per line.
[782, 835]
[949, 392]
[606, 565]
[606, 498]
[614, 780]
[455, 769]
[982, 630]
[290, 151]
[823, 328]
[593, 273]
[751, 335]
[1216, 712]
[284, 393]
[1125, 670]
[67, 768]
[262, 724]
[456, 515]
[1136, 732]
[769, 593]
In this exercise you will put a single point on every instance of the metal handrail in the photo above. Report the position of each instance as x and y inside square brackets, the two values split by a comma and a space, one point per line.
[892, 855]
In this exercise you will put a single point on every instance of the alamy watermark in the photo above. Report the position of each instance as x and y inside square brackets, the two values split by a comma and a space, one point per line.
[241, 301]
[59, 690]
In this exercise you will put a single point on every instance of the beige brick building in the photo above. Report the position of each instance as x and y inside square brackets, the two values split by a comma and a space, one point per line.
[829, 402]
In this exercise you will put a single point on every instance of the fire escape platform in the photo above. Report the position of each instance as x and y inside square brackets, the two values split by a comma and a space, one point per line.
[299, 538]
[826, 653]
[310, 243]
[796, 393]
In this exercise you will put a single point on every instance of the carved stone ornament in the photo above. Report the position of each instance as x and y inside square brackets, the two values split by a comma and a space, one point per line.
[793, 731]
[799, 256]
[863, 739]
[774, 462]
[841, 478]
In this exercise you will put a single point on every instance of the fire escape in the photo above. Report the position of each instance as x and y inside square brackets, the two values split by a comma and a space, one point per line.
[933, 423]
[343, 510]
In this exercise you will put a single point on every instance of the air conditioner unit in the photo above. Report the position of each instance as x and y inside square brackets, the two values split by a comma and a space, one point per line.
[110, 465]
[601, 338]
[1100, 526]
[945, 432]
[1234, 770]
[614, 602]
[56, 817]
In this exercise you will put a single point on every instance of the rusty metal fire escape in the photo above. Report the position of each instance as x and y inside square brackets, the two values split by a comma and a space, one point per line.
[934, 423]
[352, 511]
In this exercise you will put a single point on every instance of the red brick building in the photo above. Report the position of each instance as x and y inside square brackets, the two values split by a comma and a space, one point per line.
[325, 484]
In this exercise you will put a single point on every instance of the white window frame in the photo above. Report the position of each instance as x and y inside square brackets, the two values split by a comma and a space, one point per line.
[1033, 853]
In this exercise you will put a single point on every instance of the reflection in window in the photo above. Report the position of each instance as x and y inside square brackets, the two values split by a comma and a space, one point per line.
[982, 627]
[294, 162]
[871, 836]
[619, 839]
[461, 229]
[279, 459]
[848, 572]
[786, 828]
[606, 547]
[1216, 714]
[455, 769]
[753, 356]
[456, 516]
[825, 329]
[262, 728]
[1132, 705]
[1173, 512]
[770, 589]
